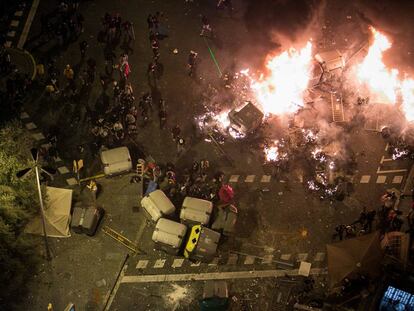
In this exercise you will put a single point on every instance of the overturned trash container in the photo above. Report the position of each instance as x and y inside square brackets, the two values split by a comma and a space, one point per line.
[225, 220]
[196, 211]
[201, 244]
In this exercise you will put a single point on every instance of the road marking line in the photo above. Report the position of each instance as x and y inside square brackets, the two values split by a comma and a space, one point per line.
[58, 159]
[215, 276]
[196, 264]
[302, 256]
[397, 179]
[285, 257]
[365, 179]
[250, 178]
[28, 24]
[142, 264]
[381, 179]
[267, 259]
[14, 23]
[63, 170]
[390, 171]
[18, 13]
[11, 33]
[319, 257]
[386, 146]
[386, 160]
[159, 263]
[30, 126]
[71, 181]
[177, 263]
[120, 238]
[8, 44]
[265, 178]
[249, 260]
[232, 260]
[234, 178]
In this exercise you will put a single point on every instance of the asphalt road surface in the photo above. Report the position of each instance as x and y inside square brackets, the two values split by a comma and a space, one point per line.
[280, 219]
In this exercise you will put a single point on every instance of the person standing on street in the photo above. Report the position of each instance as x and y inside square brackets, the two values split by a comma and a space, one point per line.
[155, 46]
[83, 46]
[162, 114]
[69, 75]
[192, 62]
[176, 131]
[180, 146]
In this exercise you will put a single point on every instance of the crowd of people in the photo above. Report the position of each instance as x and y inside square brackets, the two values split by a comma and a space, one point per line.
[387, 218]
[197, 181]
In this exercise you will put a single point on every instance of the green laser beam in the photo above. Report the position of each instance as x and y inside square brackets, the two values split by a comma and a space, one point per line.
[213, 57]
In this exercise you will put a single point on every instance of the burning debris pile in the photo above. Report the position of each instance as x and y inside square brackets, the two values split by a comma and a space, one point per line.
[283, 91]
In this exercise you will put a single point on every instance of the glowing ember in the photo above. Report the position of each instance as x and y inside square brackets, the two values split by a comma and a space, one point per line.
[281, 91]
[222, 119]
[272, 152]
[372, 71]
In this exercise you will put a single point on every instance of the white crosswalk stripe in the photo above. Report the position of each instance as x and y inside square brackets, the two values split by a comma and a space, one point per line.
[142, 264]
[381, 179]
[285, 256]
[250, 178]
[249, 260]
[71, 181]
[63, 170]
[178, 262]
[159, 263]
[267, 259]
[30, 126]
[397, 179]
[234, 178]
[265, 178]
[365, 179]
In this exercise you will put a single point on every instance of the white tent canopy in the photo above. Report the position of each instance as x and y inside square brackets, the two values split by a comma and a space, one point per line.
[57, 214]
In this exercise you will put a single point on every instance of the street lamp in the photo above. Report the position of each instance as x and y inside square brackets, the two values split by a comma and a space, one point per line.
[22, 173]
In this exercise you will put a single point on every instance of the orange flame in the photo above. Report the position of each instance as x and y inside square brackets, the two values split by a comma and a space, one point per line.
[281, 91]
[383, 82]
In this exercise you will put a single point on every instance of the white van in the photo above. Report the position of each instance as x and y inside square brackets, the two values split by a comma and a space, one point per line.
[169, 235]
[116, 161]
[156, 205]
[196, 211]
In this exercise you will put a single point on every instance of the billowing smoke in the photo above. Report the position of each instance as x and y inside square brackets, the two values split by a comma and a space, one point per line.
[394, 18]
[281, 23]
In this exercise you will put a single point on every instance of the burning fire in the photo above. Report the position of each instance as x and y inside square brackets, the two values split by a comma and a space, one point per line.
[383, 82]
[372, 71]
[281, 91]
[272, 152]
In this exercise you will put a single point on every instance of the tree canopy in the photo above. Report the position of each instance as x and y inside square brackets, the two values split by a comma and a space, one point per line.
[18, 202]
